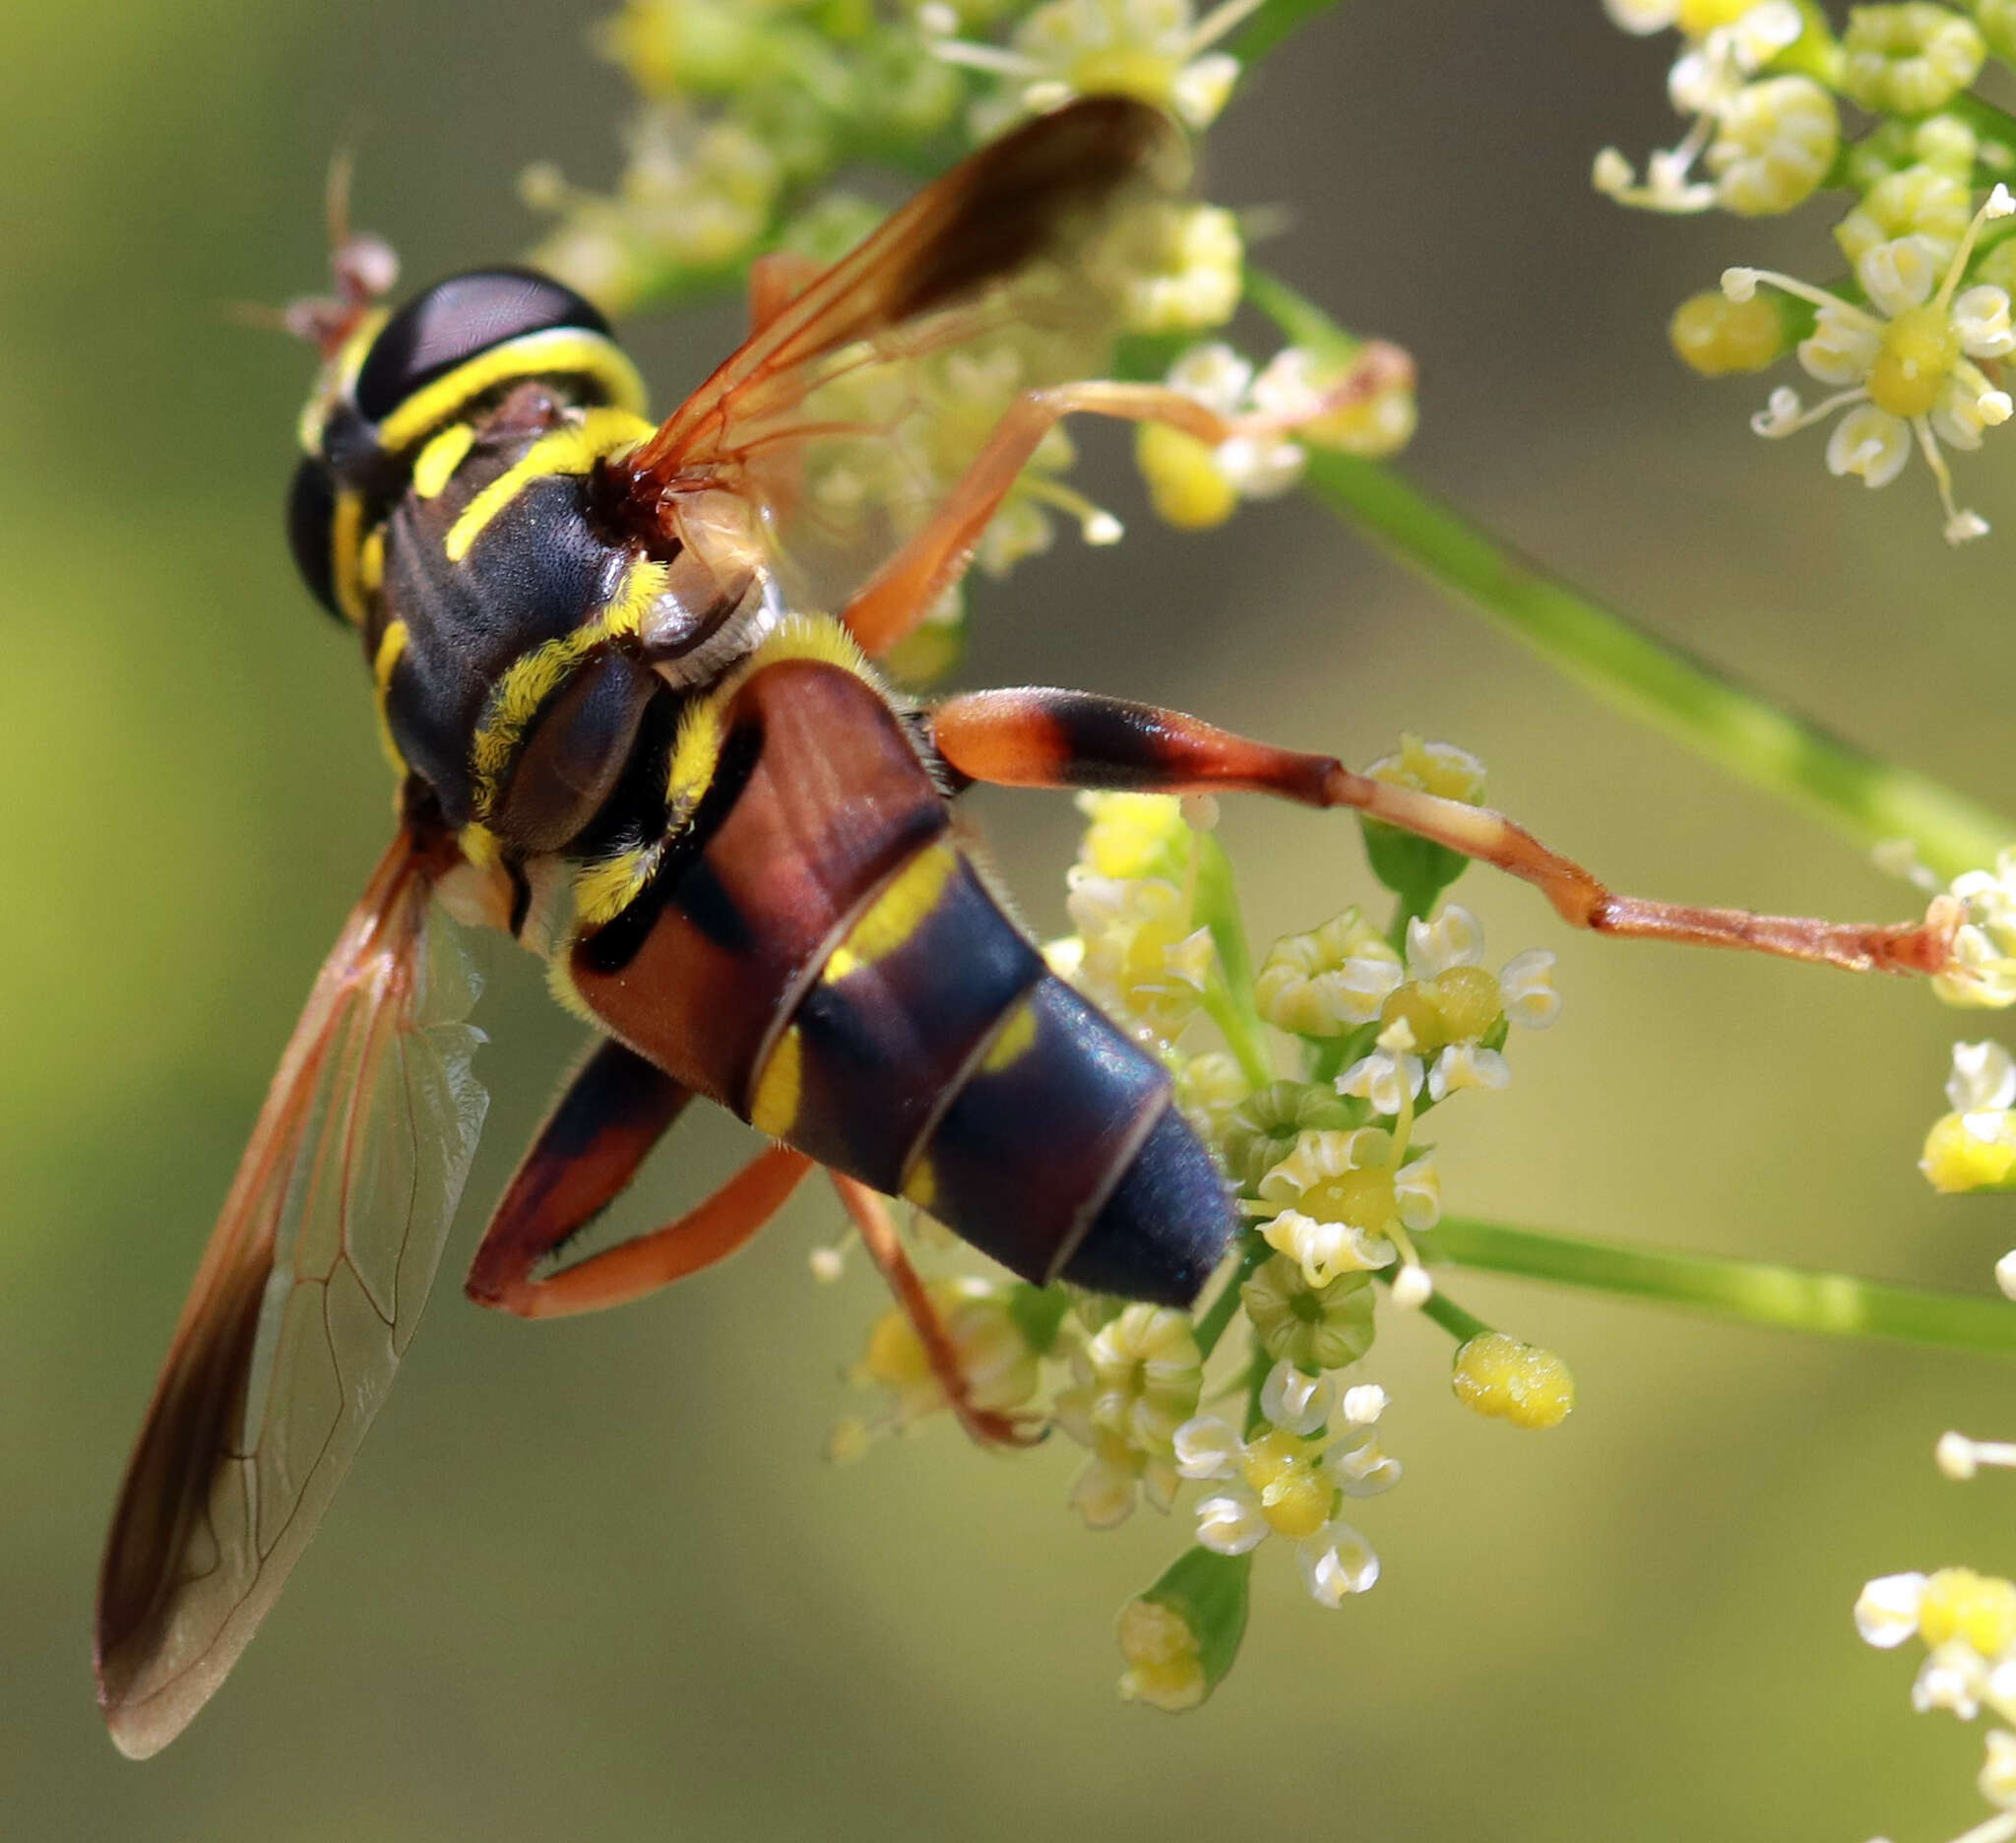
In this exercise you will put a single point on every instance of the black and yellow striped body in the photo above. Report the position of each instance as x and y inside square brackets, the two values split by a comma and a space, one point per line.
[811, 947]
[447, 509]
[768, 900]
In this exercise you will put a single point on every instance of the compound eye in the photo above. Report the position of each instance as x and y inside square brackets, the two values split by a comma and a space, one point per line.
[457, 319]
[311, 530]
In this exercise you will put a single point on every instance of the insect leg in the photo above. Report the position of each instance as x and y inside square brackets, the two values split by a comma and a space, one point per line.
[1047, 738]
[613, 1112]
[904, 589]
[989, 1426]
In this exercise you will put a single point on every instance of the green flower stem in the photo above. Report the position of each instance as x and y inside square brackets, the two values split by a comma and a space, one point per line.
[1440, 1309]
[1275, 21]
[1743, 732]
[1988, 122]
[1229, 1000]
[1794, 1298]
[1210, 1327]
[1460, 1324]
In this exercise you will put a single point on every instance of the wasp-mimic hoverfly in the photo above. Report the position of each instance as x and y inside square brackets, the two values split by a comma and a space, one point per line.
[625, 737]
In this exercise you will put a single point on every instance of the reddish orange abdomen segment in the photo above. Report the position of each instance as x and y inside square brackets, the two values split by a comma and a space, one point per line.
[818, 799]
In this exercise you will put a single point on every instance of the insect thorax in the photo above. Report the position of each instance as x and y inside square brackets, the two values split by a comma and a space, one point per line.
[528, 638]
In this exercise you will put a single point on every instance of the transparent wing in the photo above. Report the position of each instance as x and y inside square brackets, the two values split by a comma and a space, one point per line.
[303, 1305]
[847, 416]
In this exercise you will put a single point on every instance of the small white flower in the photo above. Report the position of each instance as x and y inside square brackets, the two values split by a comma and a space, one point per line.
[1642, 18]
[1525, 984]
[1909, 362]
[1983, 1077]
[1337, 1561]
[1997, 1780]
[1871, 443]
[1232, 1523]
[1280, 1484]
[1776, 142]
[1955, 1456]
[1766, 144]
[1468, 1066]
[1329, 981]
[1256, 467]
[1454, 938]
[1325, 1249]
[1363, 1404]
[1208, 1447]
[1362, 1469]
[1953, 1676]
[1082, 47]
[1389, 1078]
[1984, 945]
[1199, 277]
[1886, 1612]
[1299, 1403]
[2005, 1274]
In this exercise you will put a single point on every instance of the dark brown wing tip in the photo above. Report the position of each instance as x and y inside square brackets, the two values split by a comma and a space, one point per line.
[1143, 139]
[1026, 195]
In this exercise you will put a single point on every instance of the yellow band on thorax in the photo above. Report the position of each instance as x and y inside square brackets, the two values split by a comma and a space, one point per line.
[557, 351]
[575, 449]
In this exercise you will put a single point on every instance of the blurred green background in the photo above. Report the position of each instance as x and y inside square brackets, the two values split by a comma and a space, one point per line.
[594, 1579]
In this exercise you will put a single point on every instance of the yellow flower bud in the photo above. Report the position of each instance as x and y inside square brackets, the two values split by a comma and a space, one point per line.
[1718, 337]
[1920, 201]
[1438, 768]
[1978, 1609]
[1698, 17]
[1184, 483]
[1909, 60]
[1164, 1667]
[1961, 1156]
[1286, 1473]
[1508, 1380]
[1133, 834]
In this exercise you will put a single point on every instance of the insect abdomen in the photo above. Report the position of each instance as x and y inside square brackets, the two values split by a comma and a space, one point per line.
[821, 957]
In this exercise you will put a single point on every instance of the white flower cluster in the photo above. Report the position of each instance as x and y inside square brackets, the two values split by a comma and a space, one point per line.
[1766, 143]
[1349, 1201]
[1908, 363]
[1291, 1477]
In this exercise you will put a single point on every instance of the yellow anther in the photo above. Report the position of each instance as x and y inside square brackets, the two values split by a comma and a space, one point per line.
[1920, 350]
[1468, 1001]
[1978, 1609]
[1414, 1004]
[1294, 1496]
[1508, 1380]
[1163, 1667]
[1698, 17]
[1718, 337]
[1185, 484]
[1959, 1156]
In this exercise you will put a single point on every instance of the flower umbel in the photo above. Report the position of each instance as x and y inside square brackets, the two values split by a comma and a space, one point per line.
[1156, 49]
[1284, 1480]
[1134, 1383]
[1907, 361]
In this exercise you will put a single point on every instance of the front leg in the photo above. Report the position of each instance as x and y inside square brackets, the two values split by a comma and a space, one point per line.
[906, 587]
[1048, 739]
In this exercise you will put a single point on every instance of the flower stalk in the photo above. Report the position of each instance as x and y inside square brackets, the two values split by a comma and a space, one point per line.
[1760, 1292]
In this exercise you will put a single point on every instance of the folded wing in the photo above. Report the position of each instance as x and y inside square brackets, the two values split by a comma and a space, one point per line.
[303, 1305]
[846, 414]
